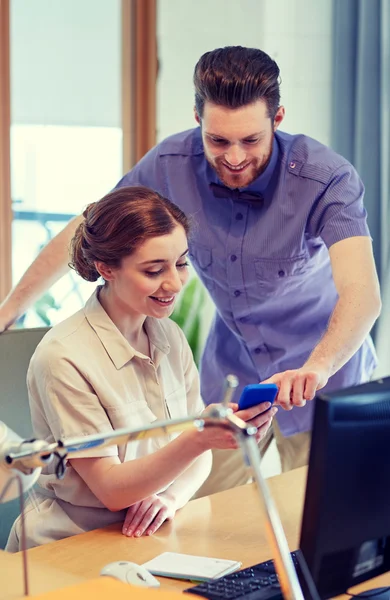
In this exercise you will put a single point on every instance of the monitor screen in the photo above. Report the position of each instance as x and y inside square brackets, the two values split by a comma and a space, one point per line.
[345, 534]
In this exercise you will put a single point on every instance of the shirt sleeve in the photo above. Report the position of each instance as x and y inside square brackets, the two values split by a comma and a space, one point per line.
[148, 172]
[339, 212]
[64, 403]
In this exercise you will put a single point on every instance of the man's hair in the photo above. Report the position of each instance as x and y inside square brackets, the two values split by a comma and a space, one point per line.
[235, 76]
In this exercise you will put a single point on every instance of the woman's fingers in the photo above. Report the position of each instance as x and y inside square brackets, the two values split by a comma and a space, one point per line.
[248, 414]
[135, 515]
[148, 518]
[130, 514]
[159, 519]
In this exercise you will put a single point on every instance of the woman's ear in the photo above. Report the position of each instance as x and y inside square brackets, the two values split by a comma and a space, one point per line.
[104, 270]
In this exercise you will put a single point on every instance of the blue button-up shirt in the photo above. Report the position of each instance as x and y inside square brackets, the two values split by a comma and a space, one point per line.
[266, 265]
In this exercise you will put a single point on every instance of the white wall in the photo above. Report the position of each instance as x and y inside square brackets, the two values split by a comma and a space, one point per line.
[298, 36]
[296, 33]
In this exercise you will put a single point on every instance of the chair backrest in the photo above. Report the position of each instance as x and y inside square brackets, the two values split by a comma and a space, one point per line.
[16, 349]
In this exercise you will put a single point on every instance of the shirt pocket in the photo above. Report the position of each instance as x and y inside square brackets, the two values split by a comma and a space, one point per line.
[202, 260]
[279, 275]
[132, 415]
[176, 403]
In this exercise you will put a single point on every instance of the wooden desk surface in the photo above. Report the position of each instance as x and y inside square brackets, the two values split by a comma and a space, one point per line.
[226, 525]
[42, 578]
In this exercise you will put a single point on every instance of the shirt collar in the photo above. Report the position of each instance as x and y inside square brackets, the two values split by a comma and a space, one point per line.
[115, 344]
[261, 183]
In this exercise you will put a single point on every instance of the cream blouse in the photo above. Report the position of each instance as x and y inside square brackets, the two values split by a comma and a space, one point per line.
[85, 378]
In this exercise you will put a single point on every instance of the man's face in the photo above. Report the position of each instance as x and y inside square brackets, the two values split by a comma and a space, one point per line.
[238, 141]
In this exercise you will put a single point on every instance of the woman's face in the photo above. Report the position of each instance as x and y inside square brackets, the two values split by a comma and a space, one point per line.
[148, 281]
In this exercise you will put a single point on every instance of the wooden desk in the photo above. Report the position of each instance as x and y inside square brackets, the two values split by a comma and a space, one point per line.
[226, 525]
[42, 578]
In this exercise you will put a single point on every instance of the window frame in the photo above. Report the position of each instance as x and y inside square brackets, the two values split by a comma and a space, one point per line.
[5, 167]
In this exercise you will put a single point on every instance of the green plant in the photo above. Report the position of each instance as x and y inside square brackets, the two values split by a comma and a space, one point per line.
[188, 314]
[44, 305]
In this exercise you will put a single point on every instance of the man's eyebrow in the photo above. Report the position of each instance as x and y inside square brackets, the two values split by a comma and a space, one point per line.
[247, 137]
[161, 260]
[253, 135]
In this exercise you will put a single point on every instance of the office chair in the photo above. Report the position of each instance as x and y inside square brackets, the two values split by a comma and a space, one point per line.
[16, 349]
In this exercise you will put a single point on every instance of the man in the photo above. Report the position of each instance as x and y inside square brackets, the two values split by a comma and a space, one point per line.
[280, 241]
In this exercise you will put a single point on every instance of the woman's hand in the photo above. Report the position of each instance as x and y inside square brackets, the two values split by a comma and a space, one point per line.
[216, 437]
[224, 439]
[145, 517]
[260, 416]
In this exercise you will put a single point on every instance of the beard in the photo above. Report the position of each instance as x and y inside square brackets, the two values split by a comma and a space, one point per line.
[255, 167]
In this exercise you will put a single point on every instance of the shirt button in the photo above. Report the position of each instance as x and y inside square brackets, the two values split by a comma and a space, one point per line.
[237, 293]
[239, 216]
[233, 258]
[292, 165]
[281, 273]
[257, 350]
[243, 320]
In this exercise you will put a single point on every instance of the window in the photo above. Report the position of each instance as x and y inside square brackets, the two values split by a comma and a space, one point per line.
[66, 129]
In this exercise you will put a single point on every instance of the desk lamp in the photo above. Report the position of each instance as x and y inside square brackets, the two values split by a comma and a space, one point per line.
[21, 462]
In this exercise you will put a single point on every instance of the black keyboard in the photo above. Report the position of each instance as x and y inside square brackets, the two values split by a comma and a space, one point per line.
[258, 582]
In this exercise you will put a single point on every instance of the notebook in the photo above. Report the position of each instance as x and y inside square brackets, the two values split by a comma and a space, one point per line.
[188, 566]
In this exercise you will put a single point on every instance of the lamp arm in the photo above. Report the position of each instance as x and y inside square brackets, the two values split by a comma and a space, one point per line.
[27, 456]
[284, 565]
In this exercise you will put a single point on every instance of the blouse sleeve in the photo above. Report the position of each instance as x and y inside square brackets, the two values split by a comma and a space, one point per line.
[63, 403]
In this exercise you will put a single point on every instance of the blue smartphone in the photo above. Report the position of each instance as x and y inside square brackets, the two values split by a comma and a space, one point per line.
[256, 393]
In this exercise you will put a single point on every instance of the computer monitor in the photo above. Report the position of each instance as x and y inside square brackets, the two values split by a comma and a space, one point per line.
[345, 533]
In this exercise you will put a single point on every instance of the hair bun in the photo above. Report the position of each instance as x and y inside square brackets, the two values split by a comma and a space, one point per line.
[88, 209]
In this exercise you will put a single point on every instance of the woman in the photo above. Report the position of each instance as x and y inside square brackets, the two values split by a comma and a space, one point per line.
[120, 362]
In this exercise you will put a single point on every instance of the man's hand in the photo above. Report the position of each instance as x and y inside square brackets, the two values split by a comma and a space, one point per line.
[298, 385]
[147, 516]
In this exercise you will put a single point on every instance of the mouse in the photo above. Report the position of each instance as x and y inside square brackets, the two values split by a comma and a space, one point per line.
[130, 572]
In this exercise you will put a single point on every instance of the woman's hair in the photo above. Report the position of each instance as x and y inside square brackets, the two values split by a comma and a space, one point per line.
[116, 225]
[235, 76]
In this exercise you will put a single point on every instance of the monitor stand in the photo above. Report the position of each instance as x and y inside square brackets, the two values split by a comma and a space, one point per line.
[382, 593]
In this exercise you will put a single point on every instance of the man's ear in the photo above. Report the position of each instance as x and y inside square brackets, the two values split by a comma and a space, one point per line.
[197, 117]
[279, 117]
[105, 271]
